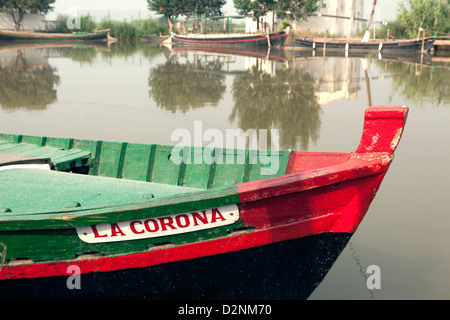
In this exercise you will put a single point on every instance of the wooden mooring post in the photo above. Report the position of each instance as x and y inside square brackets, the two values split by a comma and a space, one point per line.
[423, 40]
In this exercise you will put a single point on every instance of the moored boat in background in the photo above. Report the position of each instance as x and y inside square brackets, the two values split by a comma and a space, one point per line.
[228, 40]
[355, 45]
[48, 36]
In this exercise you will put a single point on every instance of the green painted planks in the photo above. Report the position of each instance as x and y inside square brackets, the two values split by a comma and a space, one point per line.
[137, 164]
[111, 160]
[200, 168]
[165, 170]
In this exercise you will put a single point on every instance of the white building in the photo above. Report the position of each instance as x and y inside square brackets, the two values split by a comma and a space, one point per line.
[334, 26]
[265, 23]
[30, 21]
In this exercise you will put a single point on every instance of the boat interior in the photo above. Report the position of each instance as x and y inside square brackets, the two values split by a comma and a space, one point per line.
[91, 174]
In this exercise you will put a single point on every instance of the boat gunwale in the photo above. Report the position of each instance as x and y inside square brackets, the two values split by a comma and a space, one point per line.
[361, 165]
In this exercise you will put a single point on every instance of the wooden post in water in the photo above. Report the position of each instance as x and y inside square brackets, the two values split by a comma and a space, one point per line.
[366, 73]
[369, 23]
[423, 40]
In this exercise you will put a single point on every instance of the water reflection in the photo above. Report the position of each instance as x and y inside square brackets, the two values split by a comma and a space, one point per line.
[190, 84]
[266, 92]
[257, 89]
[26, 79]
[286, 101]
[420, 84]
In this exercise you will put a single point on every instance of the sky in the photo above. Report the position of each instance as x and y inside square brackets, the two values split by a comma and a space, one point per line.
[119, 9]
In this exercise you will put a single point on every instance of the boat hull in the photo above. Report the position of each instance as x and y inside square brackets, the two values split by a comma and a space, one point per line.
[276, 39]
[285, 270]
[346, 45]
[283, 250]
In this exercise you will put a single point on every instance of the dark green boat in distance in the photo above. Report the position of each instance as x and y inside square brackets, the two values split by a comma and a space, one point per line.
[9, 35]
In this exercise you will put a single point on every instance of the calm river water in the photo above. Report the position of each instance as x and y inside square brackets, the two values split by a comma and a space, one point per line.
[142, 93]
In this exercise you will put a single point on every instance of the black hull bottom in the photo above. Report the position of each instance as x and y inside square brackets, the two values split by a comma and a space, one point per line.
[281, 271]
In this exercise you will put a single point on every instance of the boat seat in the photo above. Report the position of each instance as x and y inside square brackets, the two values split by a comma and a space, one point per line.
[61, 159]
[7, 159]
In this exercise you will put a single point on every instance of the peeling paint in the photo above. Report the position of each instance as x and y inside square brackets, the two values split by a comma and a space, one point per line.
[375, 139]
[387, 159]
[2, 254]
[396, 139]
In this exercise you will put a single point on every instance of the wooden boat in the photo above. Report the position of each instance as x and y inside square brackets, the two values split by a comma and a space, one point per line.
[356, 45]
[96, 219]
[365, 44]
[47, 36]
[226, 40]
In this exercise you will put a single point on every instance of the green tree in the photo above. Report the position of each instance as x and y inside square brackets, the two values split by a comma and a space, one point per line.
[427, 14]
[18, 8]
[171, 9]
[206, 8]
[298, 9]
[255, 8]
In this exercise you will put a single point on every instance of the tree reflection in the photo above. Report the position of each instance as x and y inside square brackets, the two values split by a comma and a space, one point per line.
[177, 86]
[419, 84]
[27, 86]
[81, 54]
[286, 102]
